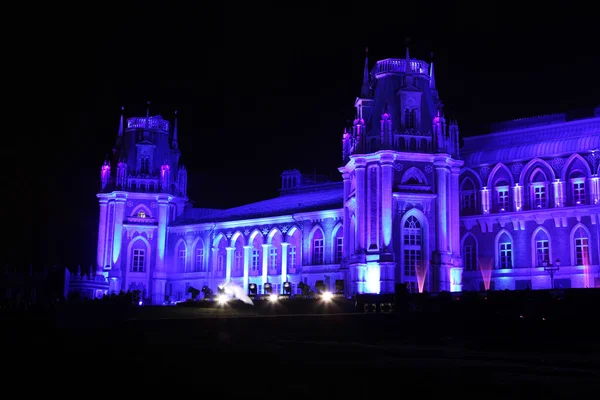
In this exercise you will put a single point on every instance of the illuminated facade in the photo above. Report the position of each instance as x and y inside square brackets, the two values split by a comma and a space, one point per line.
[410, 209]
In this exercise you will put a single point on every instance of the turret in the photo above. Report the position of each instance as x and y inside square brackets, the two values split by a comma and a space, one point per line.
[165, 176]
[182, 180]
[385, 129]
[105, 174]
[346, 145]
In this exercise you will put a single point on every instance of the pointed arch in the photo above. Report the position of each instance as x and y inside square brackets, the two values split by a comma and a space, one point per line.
[238, 241]
[530, 169]
[580, 231]
[498, 167]
[253, 235]
[413, 173]
[472, 263]
[180, 255]
[217, 240]
[146, 257]
[293, 228]
[535, 249]
[506, 251]
[465, 181]
[571, 160]
[256, 240]
[294, 238]
[472, 174]
[237, 236]
[337, 242]
[141, 207]
[274, 239]
[316, 242]
[272, 233]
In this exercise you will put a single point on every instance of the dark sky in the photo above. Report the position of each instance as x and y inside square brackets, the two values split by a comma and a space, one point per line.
[260, 88]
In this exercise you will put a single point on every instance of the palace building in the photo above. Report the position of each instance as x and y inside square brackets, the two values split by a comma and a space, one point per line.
[515, 208]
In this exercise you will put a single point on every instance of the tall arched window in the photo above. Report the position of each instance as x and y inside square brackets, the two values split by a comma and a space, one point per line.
[412, 246]
[581, 247]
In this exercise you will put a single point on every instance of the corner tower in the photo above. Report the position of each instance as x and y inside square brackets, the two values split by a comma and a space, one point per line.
[143, 188]
[401, 170]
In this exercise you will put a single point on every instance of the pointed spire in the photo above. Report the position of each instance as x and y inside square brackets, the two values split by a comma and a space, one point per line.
[175, 144]
[408, 67]
[147, 113]
[78, 269]
[431, 74]
[365, 84]
[121, 122]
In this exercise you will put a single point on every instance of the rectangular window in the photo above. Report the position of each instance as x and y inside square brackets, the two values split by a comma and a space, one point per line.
[502, 192]
[138, 260]
[579, 192]
[292, 255]
[467, 202]
[239, 259]
[542, 251]
[273, 257]
[469, 258]
[181, 260]
[255, 259]
[582, 256]
[339, 249]
[412, 260]
[199, 263]
[318, 252]
[539, 196]
[505, 255]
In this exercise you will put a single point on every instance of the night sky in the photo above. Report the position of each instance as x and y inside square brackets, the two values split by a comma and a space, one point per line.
[259, 89]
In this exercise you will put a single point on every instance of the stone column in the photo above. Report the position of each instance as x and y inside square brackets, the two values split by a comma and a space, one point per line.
[387, 163]
[517, 197]
[559, 193]
[228, 263]
[485, 200]
[346, 222]
[160, 276]
[247, 258]
[284, 261]
[265, 263]
[118, 231]
[101, 261]
[360, 205]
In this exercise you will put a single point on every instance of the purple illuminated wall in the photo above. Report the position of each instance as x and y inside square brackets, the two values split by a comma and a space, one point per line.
[412, 208]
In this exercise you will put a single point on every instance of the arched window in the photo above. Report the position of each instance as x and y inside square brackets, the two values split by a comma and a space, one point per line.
[581, 247]
[504, 251]
[318, 247]
[412, 246]
[541, 247]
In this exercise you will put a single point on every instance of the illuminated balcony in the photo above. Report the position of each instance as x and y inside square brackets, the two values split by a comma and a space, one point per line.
[155, 123]
[398, 66]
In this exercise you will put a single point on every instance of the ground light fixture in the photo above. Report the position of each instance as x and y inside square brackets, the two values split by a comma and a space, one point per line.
[222, 299]
[327, 296]
[273, 297]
